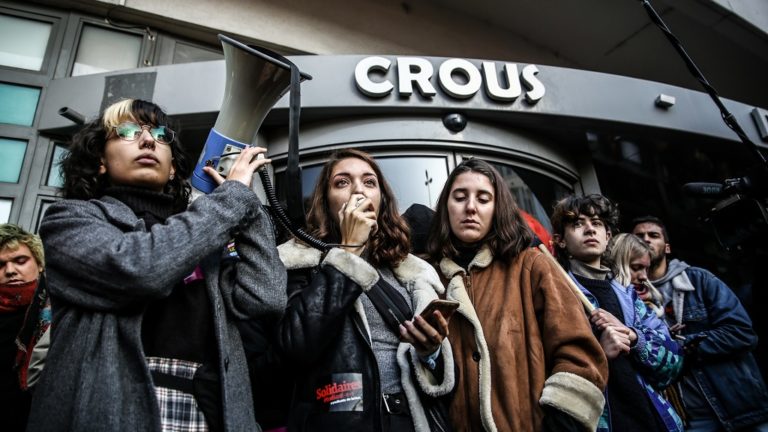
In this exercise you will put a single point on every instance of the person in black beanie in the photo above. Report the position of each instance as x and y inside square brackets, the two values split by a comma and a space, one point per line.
[642, 357]
[145, 287]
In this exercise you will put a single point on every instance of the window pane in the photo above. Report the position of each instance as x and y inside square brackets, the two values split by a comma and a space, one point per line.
[415, 179]
[309, 177]
[184, 53]
[11, 159]
[55, 177]
[18, 104]
[530, 189]
[5, 210]
[102, 50]
[23, 42]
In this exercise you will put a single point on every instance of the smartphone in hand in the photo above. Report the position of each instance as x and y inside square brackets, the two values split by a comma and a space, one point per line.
[446, 308]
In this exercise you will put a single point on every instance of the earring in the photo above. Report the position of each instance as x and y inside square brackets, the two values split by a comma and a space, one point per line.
[171, 177]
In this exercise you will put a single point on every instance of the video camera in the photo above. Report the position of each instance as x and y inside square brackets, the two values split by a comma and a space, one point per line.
[740, 218]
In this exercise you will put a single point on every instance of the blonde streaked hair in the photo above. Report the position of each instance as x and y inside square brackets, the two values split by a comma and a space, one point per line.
[117, 113]
[13, 236]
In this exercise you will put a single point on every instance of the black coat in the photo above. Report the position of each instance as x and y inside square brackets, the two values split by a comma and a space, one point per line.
[325, 337]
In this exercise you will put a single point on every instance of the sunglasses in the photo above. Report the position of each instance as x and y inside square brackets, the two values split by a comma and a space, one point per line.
[130, 131]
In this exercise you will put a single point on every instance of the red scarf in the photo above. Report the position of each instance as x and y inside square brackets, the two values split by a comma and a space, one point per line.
[15, 297]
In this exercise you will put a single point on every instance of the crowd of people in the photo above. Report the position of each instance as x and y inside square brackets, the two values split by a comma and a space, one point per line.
[138, 308]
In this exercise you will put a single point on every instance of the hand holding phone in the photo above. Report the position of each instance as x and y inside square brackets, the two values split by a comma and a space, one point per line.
[427, 331]
[445, 307]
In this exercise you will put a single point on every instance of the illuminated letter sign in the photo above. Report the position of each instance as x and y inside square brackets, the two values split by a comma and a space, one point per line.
[414, 72]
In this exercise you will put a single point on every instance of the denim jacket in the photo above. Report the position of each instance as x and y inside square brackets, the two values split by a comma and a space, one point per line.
[656, 356]
[723, 365]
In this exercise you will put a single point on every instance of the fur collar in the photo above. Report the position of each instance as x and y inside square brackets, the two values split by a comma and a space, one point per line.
[483, 259]
[297, 255]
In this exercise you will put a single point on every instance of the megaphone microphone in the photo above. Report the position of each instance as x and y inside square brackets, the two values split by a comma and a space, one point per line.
[255, 80]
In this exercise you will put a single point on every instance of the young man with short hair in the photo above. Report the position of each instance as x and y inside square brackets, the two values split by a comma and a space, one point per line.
[721, 386]
[23, 319]
[642, 357]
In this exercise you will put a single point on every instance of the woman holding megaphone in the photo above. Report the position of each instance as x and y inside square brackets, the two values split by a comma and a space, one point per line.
[146, 287]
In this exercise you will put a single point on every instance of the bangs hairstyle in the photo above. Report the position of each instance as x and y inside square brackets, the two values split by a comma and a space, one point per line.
[568, 210]
[624, 249]
[390, 244]
[509, 235]
[12, 237]
[80, 167]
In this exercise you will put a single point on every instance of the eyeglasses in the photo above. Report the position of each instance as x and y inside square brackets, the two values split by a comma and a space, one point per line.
[130, 131]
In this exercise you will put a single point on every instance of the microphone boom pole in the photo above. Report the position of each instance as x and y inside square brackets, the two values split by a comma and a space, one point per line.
[728, 118]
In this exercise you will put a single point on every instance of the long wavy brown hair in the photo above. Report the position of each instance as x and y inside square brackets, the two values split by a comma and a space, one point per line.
[509, 234]
[389, 245]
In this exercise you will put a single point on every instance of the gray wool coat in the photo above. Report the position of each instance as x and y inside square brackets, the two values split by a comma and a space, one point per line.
[104, 267]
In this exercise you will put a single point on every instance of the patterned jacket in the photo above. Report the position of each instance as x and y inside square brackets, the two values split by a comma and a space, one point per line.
[655, 355]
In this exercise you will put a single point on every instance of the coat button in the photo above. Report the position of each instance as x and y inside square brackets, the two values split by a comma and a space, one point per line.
[476, 356]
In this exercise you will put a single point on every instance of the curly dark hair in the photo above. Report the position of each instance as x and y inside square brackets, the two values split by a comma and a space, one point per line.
[509, 235]
[568, 210]
[390, 244]
[80, 167]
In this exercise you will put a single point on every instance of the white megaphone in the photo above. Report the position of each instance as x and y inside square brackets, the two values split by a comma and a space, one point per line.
[256, 79]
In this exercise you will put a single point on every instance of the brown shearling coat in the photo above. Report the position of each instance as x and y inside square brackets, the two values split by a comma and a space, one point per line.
[520, 338]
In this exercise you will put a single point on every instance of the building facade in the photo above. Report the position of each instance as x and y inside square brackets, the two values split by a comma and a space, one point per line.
[561, 99]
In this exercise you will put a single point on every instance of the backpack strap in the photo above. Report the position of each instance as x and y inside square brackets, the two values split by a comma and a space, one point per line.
[390, 304]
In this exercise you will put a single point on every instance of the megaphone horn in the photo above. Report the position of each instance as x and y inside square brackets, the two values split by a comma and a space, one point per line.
[256, 79]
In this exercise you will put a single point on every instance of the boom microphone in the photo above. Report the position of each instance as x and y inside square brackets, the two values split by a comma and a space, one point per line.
[701, 189]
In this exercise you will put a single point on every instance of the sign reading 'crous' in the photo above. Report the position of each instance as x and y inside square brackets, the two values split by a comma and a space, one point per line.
[418, 72]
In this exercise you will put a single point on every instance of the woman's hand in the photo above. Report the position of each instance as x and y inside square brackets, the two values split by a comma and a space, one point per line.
[248, 161]
[425, 338]
[357, 221]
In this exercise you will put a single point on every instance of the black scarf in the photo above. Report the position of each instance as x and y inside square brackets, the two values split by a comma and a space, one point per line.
[179, 326]
[466, 255]
[153, 207]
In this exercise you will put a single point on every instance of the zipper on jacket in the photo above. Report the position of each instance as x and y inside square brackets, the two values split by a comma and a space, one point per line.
[468, 287]
[467, 391]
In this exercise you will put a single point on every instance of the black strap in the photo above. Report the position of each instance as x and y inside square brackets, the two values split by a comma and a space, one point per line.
[173, 382]
[392, 306]
[293, 195]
